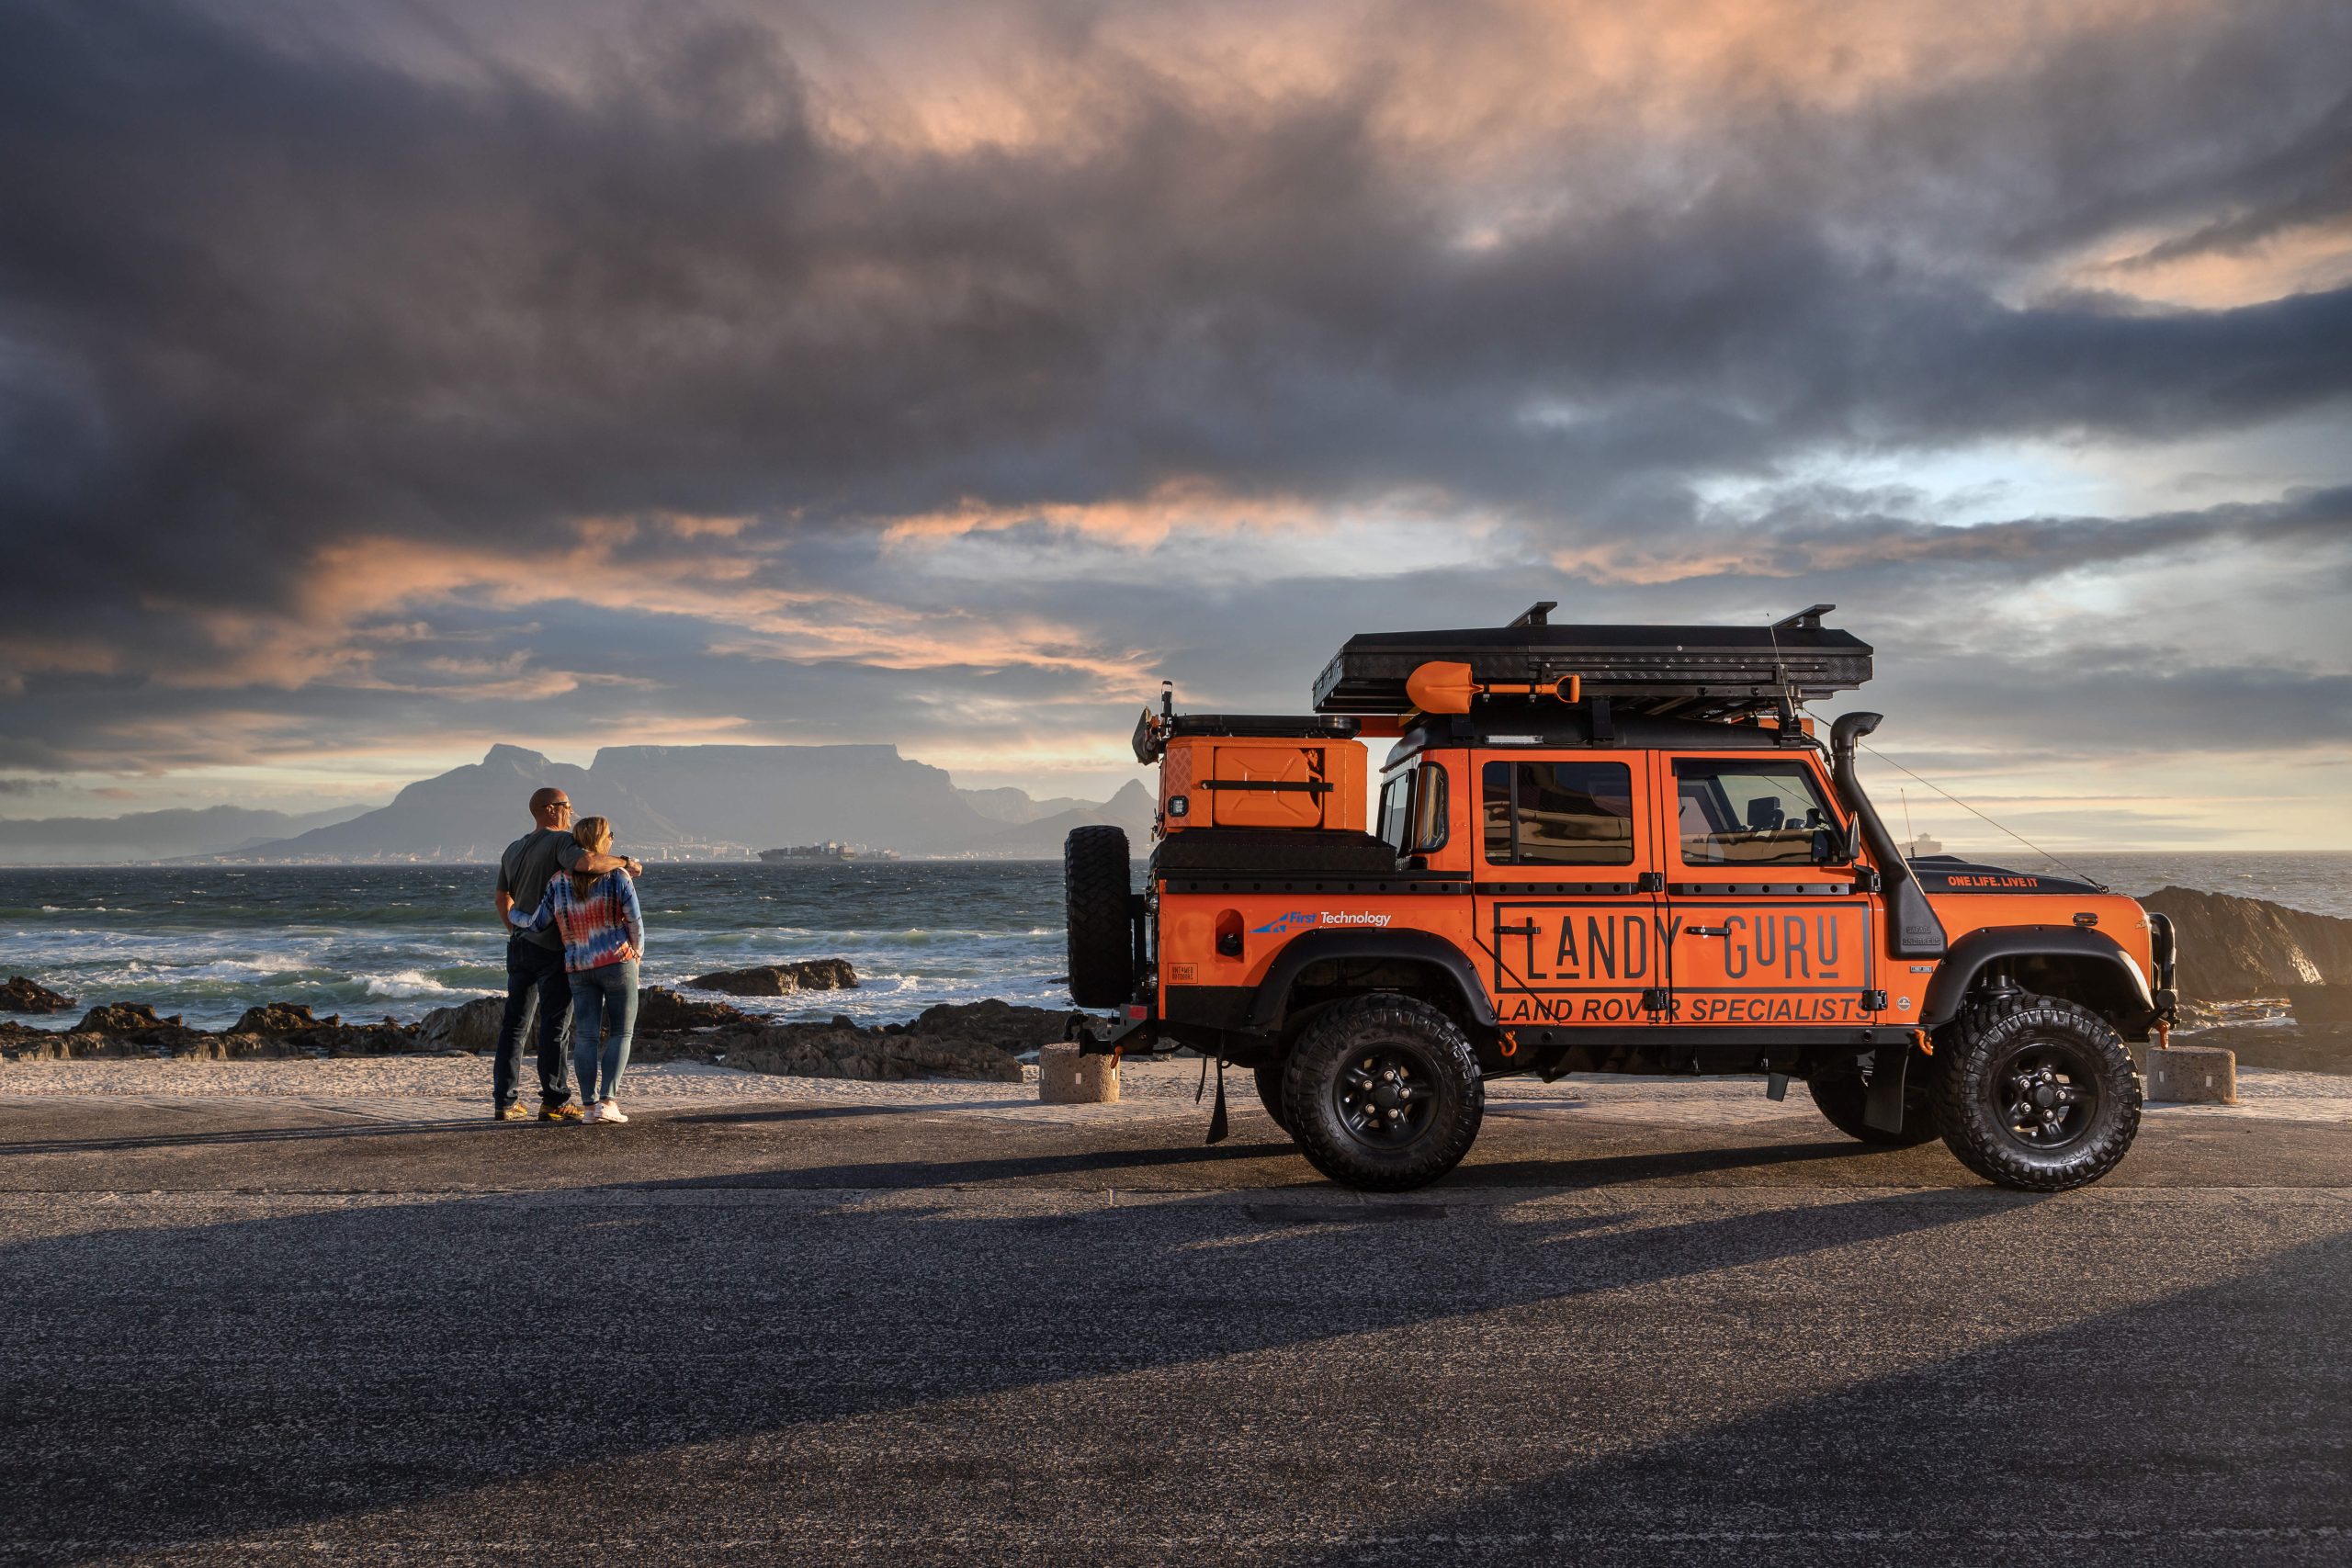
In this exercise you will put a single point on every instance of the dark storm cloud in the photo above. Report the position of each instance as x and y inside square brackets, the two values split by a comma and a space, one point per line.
[1821, 528]
[260, 296]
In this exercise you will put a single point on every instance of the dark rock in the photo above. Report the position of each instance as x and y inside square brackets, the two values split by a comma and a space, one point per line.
[2321, 1007]
[20, 995]
[282, 1017]
[659, 1009]
[823, 1051]
[2314, 1049]
[467, 1026]
[781, 979]
[953, 1040]
[133, 1019]
[385, 1039]
[2232, 947]
[996, 1022]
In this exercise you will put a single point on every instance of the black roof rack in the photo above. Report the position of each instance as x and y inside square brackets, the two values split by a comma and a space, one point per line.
[1700, 672]
[1153, 732]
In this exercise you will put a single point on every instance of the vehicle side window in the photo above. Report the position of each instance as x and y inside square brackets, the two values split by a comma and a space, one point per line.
[1431, 828]
[1761, 811]
[1558, 813]
[1396, 800]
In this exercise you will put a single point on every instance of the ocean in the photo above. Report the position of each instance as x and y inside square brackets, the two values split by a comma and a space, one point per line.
[397, 942]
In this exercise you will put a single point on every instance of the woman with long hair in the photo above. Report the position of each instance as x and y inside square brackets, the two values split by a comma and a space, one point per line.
[604, 936]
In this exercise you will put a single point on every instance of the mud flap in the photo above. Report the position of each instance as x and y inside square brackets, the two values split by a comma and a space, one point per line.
[1883, 1104]
[1217, 1128]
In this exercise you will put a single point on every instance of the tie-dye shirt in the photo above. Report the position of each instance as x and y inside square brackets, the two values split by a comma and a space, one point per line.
[596, 926]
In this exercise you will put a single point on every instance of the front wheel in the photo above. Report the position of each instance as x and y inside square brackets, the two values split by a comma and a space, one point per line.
[2035, 1093]
[1383, 1094]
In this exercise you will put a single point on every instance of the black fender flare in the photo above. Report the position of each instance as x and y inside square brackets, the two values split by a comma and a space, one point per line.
[1266, 1009]
[1956, 977]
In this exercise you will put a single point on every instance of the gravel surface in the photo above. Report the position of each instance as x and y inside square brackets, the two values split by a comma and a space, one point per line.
[2263, 1092]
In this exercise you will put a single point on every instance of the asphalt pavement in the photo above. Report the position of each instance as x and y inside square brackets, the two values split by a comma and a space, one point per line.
[254, 1332]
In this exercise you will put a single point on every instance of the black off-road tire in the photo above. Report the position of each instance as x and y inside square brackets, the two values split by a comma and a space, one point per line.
[1840, 1094]
[2014, 1038]
[1332, 1113]
[1101, 932]
[1270, 1091]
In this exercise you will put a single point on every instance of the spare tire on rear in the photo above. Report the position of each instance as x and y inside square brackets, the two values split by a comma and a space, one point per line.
[1102, 931]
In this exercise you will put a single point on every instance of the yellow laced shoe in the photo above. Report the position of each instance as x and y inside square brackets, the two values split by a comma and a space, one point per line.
[510, 1113]
[567, 1111]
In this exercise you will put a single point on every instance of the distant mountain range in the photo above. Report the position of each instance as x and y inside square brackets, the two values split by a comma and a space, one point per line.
[152, 835]
[673, 802]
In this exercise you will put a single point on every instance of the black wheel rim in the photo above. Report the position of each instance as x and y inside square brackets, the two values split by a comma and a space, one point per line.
[1385, 1096]
[2047, 1094]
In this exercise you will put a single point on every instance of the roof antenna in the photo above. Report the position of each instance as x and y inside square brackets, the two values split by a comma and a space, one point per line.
[1907, 833]
[1790, 731]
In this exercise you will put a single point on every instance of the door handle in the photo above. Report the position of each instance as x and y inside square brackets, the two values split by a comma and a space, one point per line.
[1707, 930]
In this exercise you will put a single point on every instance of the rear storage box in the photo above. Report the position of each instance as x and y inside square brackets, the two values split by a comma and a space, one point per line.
[1262, 782]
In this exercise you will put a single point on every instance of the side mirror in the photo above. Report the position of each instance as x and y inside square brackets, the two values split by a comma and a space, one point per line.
[1829, 848]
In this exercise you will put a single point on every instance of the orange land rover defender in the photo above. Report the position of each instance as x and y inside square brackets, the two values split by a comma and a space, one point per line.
[1600, 848]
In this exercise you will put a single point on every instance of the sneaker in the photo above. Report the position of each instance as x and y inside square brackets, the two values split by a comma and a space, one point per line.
[510, 1113]
[608, 1111]
[595, 1114]
[567, 1111]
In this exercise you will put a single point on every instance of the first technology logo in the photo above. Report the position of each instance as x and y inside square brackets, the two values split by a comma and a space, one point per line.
[1299, 919]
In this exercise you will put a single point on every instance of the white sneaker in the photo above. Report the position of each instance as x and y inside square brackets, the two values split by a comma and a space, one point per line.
[607, 1110]
[595, 1114]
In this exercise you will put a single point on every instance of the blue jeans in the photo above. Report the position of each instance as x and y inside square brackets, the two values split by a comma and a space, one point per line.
[535, 985]
[604, 1016]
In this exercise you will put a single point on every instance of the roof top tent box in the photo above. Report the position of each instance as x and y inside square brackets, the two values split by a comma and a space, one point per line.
[1251, 770]
[1698, 672]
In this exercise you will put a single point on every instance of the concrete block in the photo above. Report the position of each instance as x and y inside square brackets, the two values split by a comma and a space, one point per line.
[2193, 1074]
[1065, 1078]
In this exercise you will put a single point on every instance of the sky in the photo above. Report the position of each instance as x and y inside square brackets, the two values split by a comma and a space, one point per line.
[381, 381]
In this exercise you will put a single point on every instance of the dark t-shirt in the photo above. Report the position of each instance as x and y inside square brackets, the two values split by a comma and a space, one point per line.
[526, 867]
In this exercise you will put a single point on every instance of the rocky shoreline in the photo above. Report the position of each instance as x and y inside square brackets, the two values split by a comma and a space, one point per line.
[2269, 982]
[980, 1041]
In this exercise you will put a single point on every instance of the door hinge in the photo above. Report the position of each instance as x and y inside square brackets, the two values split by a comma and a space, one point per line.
[1874, 1001]
[1655, 1000]
[1650, 882]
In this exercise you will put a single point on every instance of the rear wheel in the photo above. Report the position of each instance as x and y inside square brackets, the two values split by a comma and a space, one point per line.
[1383, 1093]
[1269, 1093]
[1101, 933]
[2035, 1093]
[1841, 1094]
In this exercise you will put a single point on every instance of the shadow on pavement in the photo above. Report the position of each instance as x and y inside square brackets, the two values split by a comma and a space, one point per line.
[192, 1383]
[2182, 1429]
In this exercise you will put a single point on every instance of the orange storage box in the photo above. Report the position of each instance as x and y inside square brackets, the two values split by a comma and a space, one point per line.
[1233, 782]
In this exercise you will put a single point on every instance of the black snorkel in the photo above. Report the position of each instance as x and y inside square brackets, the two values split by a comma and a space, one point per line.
[1913, 930]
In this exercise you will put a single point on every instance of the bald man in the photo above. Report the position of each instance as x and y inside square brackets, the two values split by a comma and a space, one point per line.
[535, 960]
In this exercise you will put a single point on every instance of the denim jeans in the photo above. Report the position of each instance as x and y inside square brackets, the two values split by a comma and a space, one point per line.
[534, 983]
[603, 1015]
